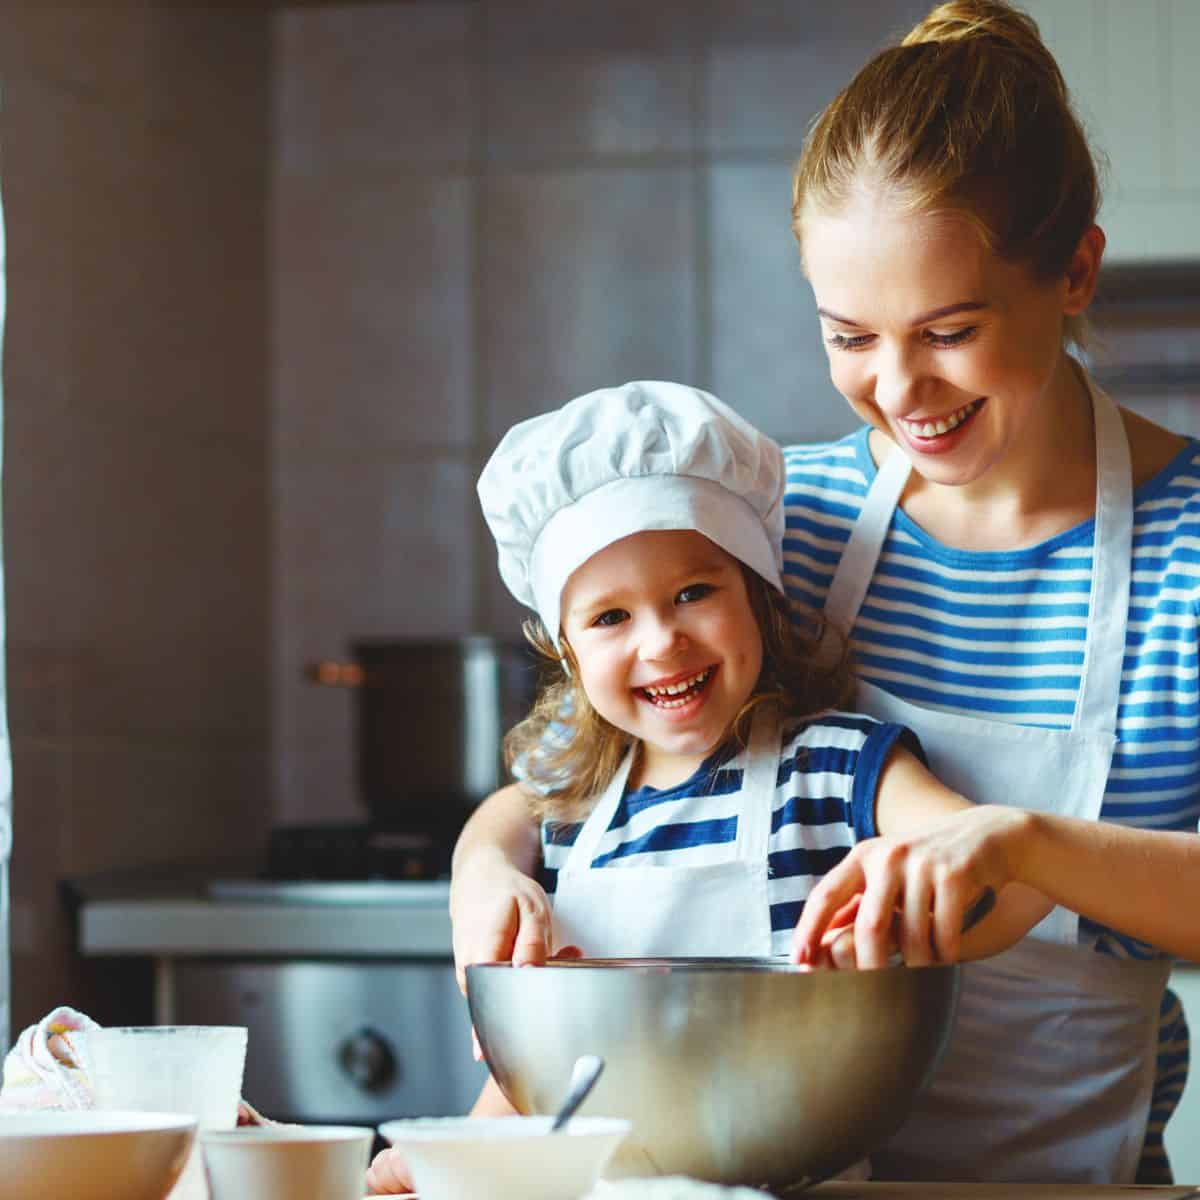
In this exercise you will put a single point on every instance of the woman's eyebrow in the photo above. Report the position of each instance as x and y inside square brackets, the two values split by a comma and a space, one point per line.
[933, 315]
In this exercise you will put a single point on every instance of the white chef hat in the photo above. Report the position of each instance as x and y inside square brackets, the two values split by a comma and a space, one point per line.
[650, 455]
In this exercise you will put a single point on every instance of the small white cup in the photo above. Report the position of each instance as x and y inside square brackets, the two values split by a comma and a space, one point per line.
[284, 1162]
[194, 1069]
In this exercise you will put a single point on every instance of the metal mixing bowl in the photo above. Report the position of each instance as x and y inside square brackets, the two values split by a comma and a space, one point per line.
[736, 1071]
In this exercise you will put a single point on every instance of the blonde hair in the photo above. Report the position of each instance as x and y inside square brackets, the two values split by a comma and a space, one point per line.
[970, 115]
[569, 753]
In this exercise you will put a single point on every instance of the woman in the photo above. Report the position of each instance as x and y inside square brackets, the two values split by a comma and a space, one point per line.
[1013, 557]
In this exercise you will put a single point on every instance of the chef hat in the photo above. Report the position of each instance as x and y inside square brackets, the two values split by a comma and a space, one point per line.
[561, 487]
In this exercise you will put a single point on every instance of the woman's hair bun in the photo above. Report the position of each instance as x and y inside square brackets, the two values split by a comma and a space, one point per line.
[1008, 28]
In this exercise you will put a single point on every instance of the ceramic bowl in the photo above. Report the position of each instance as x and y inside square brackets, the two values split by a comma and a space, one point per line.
[93, 1155]
[505, 1158]
[285, 1162]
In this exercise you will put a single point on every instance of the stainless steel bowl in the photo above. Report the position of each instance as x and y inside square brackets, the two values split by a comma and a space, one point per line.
[736, 1071]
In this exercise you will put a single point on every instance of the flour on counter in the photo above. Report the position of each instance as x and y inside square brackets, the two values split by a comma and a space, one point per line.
[674, 1187]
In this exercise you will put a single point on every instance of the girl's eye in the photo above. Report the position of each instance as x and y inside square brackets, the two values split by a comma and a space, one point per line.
[694, 592]
[846, 341]
[951, 339]
[613, 616]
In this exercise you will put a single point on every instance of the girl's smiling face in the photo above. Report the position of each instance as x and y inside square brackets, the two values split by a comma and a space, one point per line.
[666, 645]
[952, 351]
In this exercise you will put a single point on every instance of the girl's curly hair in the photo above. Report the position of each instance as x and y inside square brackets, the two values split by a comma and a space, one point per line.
[567, 753]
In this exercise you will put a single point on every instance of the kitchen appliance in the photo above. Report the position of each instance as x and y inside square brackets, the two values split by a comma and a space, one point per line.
[430, 717]
[342, 1039]
[737, 1071]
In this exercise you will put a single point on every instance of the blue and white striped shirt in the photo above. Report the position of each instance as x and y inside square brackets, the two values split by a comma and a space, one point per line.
[824, 802]
[999, 635]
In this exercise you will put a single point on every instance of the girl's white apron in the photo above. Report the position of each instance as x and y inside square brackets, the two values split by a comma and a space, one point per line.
[1050, 1068]
[718, 910]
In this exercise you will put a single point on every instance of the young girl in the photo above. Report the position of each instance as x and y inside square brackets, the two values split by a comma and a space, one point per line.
[692, 776]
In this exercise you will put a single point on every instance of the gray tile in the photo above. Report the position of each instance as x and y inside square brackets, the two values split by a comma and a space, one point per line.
[361, 84]
[767, 357]
[133, 804]
[315, 784]
[581, 79]
[371, 548]
[772, 66]
[168, 586]
[589, 281]
[372, 325]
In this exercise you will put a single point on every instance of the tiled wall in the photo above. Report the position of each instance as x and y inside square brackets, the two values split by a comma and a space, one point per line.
[135, 477]
[479, 210]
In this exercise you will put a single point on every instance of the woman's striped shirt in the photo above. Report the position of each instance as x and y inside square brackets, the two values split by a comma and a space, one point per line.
[999, 635]
[824, 802]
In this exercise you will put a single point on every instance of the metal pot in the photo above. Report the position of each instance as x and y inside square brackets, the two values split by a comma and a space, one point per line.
[431, 716]
[736, 1071]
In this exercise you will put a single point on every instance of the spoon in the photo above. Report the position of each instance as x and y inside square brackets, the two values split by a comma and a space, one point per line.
[584, 1074]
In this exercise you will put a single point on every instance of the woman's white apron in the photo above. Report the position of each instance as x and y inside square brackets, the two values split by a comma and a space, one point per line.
[717, 910]
[1051, 1065]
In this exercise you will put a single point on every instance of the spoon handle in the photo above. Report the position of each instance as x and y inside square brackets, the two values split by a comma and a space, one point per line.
[583, 1076]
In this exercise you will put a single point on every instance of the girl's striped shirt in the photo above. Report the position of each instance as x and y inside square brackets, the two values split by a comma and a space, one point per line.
[824, 802]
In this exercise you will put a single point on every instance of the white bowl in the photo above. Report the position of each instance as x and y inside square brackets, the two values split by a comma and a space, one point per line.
[286, 1162]
[92, 1155]
[505, 1158]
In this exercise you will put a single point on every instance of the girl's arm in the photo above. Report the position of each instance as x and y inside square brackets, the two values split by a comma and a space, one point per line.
[1144, 883]
[498, 912]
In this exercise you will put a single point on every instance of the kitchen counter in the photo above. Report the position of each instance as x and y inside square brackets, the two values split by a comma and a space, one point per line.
[242, 918]
[996, 1191]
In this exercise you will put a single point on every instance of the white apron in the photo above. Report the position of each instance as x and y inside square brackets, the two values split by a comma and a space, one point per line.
[716, 911]
[1051, 1064]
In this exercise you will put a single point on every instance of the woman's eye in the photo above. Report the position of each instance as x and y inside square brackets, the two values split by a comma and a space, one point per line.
[694, 592]
[950, 339]
[846, 341]
[614, 616]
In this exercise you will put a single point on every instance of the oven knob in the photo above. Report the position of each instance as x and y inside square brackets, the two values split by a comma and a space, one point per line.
[367, 1058]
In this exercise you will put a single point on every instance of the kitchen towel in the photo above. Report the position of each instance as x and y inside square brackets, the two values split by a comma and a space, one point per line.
[41, 1071]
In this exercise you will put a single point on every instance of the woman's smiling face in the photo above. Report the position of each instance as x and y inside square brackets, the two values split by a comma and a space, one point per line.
[933, 338]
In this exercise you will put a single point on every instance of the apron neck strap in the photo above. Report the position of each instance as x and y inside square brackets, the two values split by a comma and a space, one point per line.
[760, 771]
[1112, 560]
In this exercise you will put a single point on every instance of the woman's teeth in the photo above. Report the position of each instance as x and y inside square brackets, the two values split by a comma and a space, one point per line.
[928, 429]
[675, 695]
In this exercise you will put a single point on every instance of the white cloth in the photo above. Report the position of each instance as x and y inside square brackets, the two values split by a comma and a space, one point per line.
[40, 1075]
[1051, 1065]
[649, 455]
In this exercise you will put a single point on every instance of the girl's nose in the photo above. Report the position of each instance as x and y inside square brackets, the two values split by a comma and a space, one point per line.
[660, 638]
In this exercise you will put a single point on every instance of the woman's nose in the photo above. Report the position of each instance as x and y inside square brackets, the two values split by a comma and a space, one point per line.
[896, 379]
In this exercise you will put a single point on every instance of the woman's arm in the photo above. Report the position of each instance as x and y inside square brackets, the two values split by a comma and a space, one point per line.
[915, 883]
[1144, 883]
[498, 912]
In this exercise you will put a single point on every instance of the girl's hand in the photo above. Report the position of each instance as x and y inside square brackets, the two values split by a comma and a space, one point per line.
[388, 1175]
[913, 891]
[499, 914]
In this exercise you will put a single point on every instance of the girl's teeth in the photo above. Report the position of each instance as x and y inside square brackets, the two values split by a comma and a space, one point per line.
[672, 696]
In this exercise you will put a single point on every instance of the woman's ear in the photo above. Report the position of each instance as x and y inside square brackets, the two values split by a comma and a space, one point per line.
[1083, 271]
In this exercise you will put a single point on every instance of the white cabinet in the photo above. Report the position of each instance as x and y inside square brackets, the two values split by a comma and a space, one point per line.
[1183, 1129]
[1131, 69]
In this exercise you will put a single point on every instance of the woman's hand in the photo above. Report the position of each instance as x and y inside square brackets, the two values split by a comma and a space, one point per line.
[913, 892]
[388, 1175]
